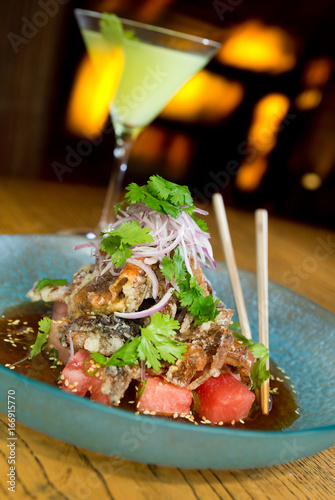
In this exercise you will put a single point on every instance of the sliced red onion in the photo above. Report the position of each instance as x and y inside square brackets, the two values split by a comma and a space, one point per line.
[200, 211]
[187, 262]
[148, 312]
[151, 274]
[83, 245]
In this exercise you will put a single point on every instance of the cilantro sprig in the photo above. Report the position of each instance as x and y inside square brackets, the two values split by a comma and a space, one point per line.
[153, 345]
[50, 282]
[190, 294]
[118, 242]
[258, 373]
[42, 336]
[165, 197]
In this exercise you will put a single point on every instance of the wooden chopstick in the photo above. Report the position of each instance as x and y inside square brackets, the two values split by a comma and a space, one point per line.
[261, 227]
[222, 222]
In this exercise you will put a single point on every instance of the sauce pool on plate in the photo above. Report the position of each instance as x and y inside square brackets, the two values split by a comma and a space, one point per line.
[18, 330]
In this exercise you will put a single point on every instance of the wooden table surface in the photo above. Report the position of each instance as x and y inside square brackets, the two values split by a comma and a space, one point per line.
[300, 256]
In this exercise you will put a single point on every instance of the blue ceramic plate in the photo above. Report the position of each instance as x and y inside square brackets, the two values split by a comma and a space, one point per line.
[302, 343]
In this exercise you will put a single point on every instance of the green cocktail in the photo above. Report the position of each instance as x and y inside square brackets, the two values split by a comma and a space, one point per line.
[152, 74]
[157, 63]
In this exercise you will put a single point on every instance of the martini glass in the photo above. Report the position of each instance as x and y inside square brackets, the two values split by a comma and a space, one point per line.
[157, 63]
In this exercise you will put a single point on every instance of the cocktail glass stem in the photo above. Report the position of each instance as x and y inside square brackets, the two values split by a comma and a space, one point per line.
[123, 143]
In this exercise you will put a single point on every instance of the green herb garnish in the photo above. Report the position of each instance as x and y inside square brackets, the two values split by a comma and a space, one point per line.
[165, 197]
[258, 373]
[42, 336]
[118, 242]
[154, 344]
[190, 294]
[50, 282]
[112, 30]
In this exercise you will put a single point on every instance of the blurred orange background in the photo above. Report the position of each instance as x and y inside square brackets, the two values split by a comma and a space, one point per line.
[257, 123]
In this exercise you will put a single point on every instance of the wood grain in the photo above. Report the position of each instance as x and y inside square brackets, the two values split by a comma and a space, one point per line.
[50, 470]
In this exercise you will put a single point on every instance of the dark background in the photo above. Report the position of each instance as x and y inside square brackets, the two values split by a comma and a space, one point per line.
[38, 67]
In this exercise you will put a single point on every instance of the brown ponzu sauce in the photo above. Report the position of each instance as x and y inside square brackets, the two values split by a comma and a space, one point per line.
[18, 330]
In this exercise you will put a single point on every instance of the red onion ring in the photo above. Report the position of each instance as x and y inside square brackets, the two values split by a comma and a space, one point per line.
[148, 312]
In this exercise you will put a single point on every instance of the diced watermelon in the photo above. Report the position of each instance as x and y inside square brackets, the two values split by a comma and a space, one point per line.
[224, 399]
[76, 381]
[164, 398]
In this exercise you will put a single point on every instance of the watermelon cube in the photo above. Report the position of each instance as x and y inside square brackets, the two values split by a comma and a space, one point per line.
[224, 399]
[76, 381]
[164, 398]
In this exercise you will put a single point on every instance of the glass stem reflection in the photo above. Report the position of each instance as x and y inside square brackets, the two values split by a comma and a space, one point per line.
[123, 144]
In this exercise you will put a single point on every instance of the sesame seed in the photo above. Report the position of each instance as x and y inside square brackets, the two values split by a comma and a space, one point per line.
[146, 412]
[66, 383]
[12, 367]
[7, 365]
[152, 413]
[62, 377]
[75, 384]
[175, 415]
[220, 423]
[74, 390]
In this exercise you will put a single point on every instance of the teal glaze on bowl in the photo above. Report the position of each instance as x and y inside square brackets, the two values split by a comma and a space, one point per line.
[302, 337]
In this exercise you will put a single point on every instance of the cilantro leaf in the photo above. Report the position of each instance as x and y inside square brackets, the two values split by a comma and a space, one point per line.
[201, 223]
[99, 358]
[163, 196]
[118, 242]
[259, 372]
[190, 294]
[50, 282]
[173, 269]
[126, 355]
[154, 344]
[137, 193]
[166, 190]
[42, 336]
